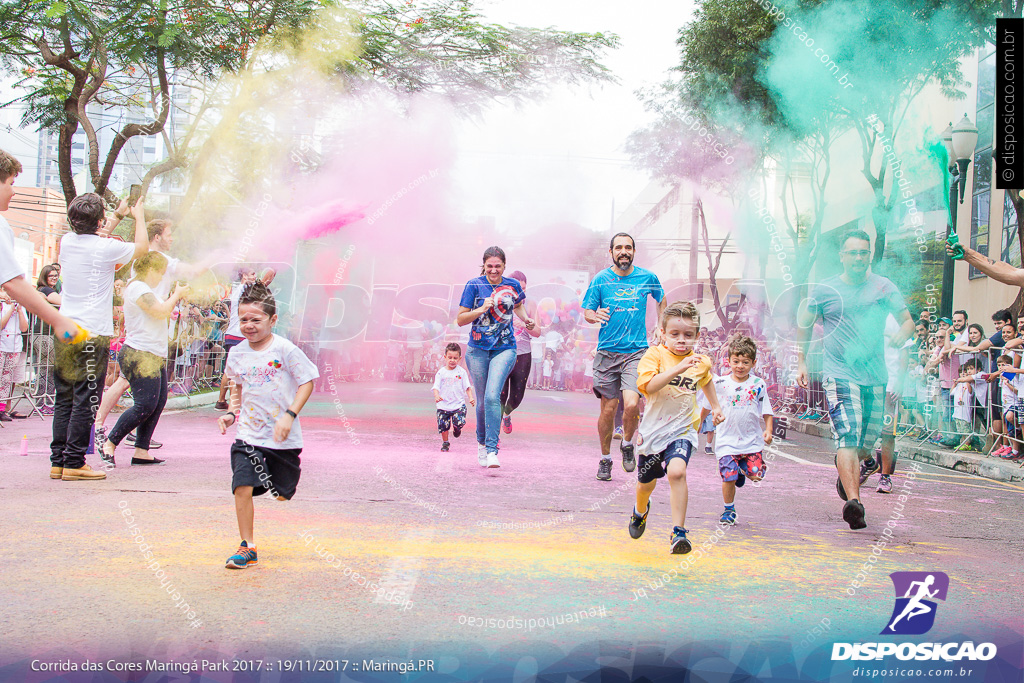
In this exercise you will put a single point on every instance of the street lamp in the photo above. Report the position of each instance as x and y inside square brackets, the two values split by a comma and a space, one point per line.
[960, 142]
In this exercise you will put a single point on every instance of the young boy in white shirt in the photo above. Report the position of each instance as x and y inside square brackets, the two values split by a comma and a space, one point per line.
[271, 381]
[741, 437]
[13, 323]
[451, 391]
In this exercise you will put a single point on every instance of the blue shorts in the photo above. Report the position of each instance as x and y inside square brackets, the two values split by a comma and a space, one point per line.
[708, 425]
[655, 466]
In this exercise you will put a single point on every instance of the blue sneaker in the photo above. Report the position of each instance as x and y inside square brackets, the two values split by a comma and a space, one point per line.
[637, 523]
[679, 544]
[245, 557]
[729, 516]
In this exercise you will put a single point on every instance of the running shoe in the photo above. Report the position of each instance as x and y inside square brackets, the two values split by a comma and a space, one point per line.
[884, 484]
[107, 457]
[492, 460]
[638, 523]
[869, 467]
[445, 446]
[100, 437]
[709, 449]
[617, 434]
[604, 469]
[243, 557]
[853, 514]
[729, 516]
[153, 445]
[481, 454]
[679, 543]
[506, 424]
[220, 405]
[839, 488]
[628, 459]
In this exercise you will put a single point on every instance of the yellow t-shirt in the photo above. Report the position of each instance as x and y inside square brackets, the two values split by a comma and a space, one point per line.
[671, 413]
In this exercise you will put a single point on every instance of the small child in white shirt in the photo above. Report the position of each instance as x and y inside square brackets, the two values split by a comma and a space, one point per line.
[451, 391]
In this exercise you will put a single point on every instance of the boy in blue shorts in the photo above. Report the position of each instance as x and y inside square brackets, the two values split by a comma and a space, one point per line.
[271, 382]
[741, 436]
[451, 391]
[669, 375]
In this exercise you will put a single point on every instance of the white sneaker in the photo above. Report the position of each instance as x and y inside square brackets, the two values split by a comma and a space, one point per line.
[492, 459]
[481, 455]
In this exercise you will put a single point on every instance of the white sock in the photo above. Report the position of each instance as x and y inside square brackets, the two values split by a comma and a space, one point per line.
[627, 442]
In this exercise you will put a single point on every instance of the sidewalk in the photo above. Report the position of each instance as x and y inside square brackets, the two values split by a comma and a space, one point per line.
[960, 461]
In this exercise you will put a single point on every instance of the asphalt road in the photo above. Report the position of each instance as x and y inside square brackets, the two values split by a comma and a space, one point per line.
[465, 550]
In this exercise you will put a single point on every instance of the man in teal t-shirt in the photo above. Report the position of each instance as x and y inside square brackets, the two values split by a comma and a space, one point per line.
[617, 299]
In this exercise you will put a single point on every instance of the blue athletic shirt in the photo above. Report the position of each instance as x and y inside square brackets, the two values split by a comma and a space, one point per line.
[626, 301]
[493, 331]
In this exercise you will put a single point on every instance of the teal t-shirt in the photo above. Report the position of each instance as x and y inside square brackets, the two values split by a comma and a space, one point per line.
[626, 301]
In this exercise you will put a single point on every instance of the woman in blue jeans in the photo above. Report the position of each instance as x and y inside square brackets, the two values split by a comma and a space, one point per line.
[143, 357]
[488, 302]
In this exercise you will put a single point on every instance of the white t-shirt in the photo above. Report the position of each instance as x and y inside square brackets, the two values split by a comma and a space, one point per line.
[742, 404]
[10, 335]
[9, 267]
[234, 327]
[1012, 388]
[980, 389]
[143, 332]
[962, 403]
[270, 379]
[452, 385]
[87, 265]
[547, 367]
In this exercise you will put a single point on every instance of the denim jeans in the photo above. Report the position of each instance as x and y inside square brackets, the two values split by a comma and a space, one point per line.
[147, 375]
[489, 370]
[78, 375]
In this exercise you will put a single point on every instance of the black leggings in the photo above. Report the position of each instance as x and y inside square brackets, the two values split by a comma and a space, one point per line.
[515, 386]
[147, 375]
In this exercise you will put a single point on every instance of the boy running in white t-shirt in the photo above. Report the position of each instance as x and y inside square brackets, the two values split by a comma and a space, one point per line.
[451, 391]
[271, 380]
[741, 437]
[669, 376]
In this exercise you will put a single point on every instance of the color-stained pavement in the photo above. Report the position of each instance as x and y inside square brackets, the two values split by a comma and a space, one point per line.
[537, 539]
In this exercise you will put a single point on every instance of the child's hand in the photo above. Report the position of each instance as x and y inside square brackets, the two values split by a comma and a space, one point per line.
[717, 416]
[472, 402]
[437, 398]
[687, 363]
[223, 423]
[768, 436]
[283, 427]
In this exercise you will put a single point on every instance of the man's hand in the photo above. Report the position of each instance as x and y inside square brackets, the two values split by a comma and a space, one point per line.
[223, 422]
[283, 427]
[801, 375]
[70, 332]
[603, 315]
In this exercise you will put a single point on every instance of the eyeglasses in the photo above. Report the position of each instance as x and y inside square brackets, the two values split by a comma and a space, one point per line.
[859, 253]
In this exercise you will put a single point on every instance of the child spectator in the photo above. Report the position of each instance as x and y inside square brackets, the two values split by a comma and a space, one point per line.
[451, 391]
[275, 379]
[13, 322]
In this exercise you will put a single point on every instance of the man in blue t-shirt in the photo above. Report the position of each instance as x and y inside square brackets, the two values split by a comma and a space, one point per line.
[617, 299]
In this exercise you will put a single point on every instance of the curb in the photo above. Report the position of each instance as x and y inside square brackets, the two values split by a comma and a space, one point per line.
[179, 402]
[958, 461]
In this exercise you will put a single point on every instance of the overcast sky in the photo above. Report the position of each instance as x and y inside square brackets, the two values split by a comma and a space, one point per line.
[562, 159]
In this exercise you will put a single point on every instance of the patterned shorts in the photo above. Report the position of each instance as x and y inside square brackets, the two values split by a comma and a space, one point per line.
[856, 412]
[446, 419]
[752, 465]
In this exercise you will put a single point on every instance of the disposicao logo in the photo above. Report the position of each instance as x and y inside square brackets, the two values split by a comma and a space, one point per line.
[912, 615]
[916, 592]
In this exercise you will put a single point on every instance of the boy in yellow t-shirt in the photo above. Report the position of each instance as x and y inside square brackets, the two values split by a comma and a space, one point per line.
[669, 376]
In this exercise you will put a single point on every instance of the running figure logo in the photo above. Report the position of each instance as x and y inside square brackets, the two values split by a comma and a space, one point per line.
[914, 612]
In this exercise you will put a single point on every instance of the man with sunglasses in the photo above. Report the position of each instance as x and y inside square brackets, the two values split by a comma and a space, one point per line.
[853, 308]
